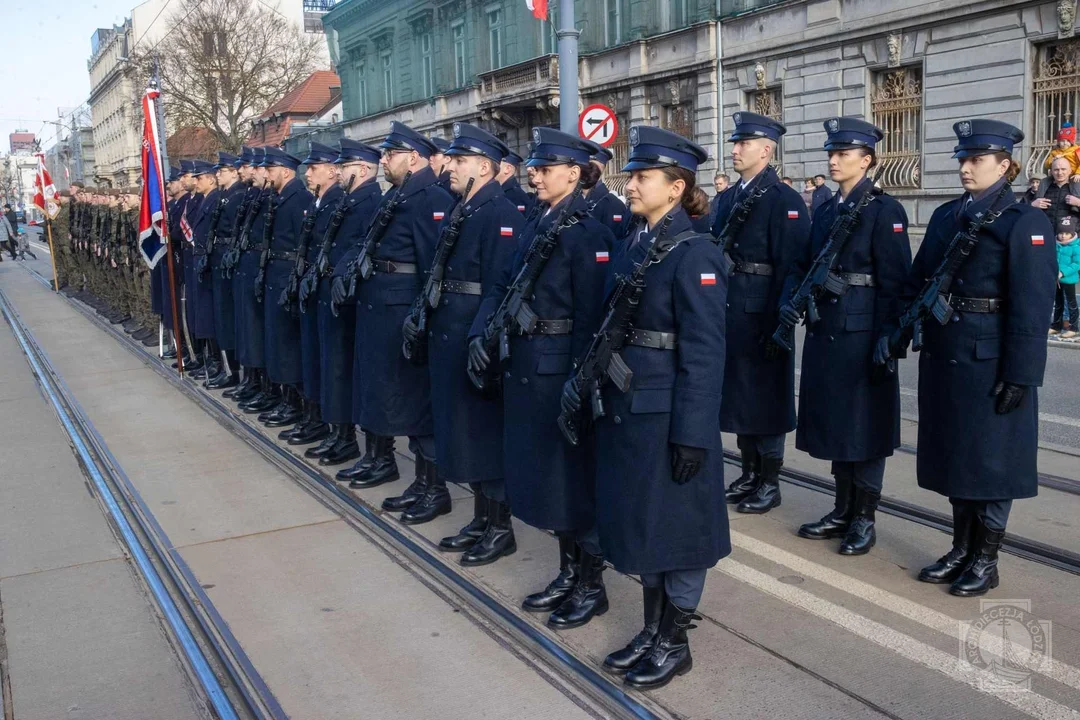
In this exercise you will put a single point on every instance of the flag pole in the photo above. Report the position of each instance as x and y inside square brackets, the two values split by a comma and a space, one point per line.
[48, 223]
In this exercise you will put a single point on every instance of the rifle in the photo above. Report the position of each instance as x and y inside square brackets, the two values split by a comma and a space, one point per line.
[602, 360]
[361, 265]
[736, 219]
[932, 298]
[231, 257]
[428, 300]
[820, 278]
[211, 237]
[288, 294]
[514, 313]
[322, 260]
[245, 233]
[264, 256]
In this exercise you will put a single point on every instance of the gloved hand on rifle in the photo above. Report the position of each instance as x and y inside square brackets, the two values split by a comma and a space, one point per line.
[1009, 396]
[571, 397]
[339, 292]
[789, 315]
[410, 330]
[478, 357]
[891, 346]
[283, 299]
[686, 462]
[202, 266]
[307, 287]
[260, 286]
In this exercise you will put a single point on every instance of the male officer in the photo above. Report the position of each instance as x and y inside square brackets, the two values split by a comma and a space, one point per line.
[508, 178]
[359, 166]
[468, 427]
[231, 262]
[392, 394]
[285, 217]
[322, 179]
[605, 207]
[440, 162]
[759, 379]
[200, 288]
[178, 199]
[187, 220]
[232, 191]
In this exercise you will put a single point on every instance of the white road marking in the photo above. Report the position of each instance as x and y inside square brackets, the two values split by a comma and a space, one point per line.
[946, 624]
[40, 246]
[1030, 703]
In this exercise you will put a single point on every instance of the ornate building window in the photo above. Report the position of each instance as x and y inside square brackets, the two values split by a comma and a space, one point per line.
[896, 105]
[427, 65]
[457, 29]
[495, 38]
[386, 60]
[1056, 90]
[613, 12]
[770, 103]
[361, 88]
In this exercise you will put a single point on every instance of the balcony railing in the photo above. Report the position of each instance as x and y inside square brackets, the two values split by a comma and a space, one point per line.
[536, 74]
[729, 8]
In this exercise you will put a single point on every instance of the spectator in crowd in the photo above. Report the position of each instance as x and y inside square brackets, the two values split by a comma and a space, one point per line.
[1059, 197]
[787, 181]
[1032, 191]
[808, 191]
[1065, 147]
[1068, 255]
[721, 183]
[821, 194]
[7, 236]
[12, 222]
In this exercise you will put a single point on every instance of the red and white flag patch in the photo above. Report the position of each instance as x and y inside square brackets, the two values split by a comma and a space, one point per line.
[521, 208]
[616, 218]
[602, 257]
[437, 216]
[898, 227]
[1036, 239]
[708, 278]
[506, 231]
[792, 214]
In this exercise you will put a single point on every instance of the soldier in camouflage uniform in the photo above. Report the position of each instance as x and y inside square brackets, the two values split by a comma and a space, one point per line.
[61, 241]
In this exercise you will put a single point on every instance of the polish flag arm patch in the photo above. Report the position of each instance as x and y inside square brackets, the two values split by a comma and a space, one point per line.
[708, 278]
[792, 214]
[506, 231]
[521, 208]
[898, 227]
[437, 216]
[616, 218]
[602, 257]
[1037, 240]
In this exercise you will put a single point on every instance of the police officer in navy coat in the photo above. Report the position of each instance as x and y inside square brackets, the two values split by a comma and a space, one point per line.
[249, 386]
[508, 178]
[200, 291]
[393, 395]
[232, 190]
[185, 268]
[659, 458]
[322, 179]
[603, 205]
[468, 427]
[978, 373]
[252, 310]
[759, 378]
[359, 164]
[174, 208]
[848, 412]
[440, 163]
[550, 484]
[290, 206]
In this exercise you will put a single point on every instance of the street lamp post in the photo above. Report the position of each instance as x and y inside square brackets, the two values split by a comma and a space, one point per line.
[568, 68]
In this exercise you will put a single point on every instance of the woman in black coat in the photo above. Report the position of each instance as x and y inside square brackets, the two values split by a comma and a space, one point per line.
[660, 464]
[849, 413]
[978, 409]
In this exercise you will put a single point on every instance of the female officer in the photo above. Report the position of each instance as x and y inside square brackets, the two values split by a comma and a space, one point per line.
[978, 411]
[848, 413]
[660, 464]
[550, 484]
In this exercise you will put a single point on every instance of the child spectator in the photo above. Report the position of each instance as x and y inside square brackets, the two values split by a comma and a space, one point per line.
[1066, 148]
[1068, 256]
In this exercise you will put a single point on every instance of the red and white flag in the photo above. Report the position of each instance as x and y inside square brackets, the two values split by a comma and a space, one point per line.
[45, 198]
[538, 8]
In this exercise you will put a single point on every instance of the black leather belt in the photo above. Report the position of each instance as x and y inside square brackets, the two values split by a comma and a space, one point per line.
[389, 266]
[749, 268]
[461, 287]
[652, 339]
[858, 279]
[976, 305]
[553, 327]
[275, 255]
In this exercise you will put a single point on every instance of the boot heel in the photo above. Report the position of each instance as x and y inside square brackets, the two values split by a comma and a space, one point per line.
[686, 668]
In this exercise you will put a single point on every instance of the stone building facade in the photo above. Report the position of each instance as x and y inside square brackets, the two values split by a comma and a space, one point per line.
[116, 141]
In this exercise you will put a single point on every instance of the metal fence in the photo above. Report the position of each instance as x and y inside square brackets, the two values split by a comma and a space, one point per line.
[1056, 96]
[897, 108]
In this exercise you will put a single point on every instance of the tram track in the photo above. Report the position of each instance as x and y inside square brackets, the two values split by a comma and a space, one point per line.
[229, 686]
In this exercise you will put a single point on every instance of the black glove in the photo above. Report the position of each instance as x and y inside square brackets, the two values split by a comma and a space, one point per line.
[283, 299]
[338, 292]
[410, 330]
[685, 462]
[307, 286]
[789, 315]
[771, 349]
[260, 286]
[571, 397]
[478, 357]
[202, 266]
[1009, 396]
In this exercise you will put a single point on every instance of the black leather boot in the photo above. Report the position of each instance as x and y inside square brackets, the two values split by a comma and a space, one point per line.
[497, 541]
[981, 574]
[588, 598]
[344, 449]
[305, 419]
[253, 388]
[434, 502]
[861, 536]
[365, 462]
[313, 430]
[836, 523]
[279, 406]
[328, 442]
[266, 399]
[414, 492]
[226, 379]
[240, 387]
[951, 564]
[767, 494]
[292, 411]
[746, 483]
[384, 469]
[670, 655]
[560, 588]
[469, 534]
[621, 661]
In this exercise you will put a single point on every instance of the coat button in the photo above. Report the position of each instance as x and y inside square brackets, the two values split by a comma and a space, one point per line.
[959, 281]
[369, 307]
[618, 420]
[952, 362]
[444, 337]
[524, 381]
[832, 301]
[507, 374]
[956, 317]
[735, 245]
[831, 338]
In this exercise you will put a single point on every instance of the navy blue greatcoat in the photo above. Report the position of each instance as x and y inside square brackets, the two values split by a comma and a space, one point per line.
[609, 210]
[391, 394]
[252, 312]
[759, 394]
[846, 412]
[224, 313]
[283, 326]
[523, 201]
[192, 213]
[550, 484]
[967, 450]
[468, 428]
[647, 522]
[309, 320]
[337, 335]
[176, 242]
[240, 284]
